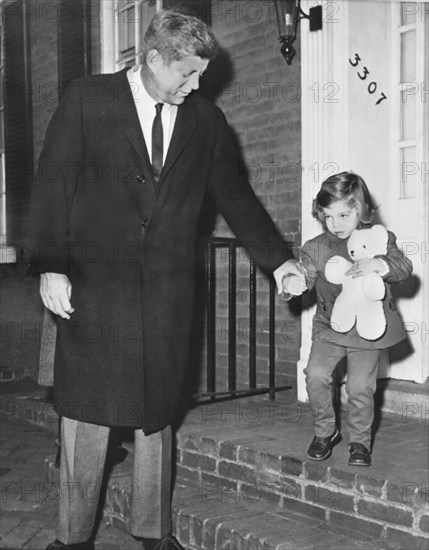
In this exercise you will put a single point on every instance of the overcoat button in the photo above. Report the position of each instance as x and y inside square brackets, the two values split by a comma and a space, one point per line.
[144, 223]
[141, 179]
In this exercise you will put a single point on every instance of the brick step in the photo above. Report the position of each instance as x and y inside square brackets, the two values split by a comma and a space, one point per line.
[252, 452]
[388, 509]
[222, 473]
[243, 521]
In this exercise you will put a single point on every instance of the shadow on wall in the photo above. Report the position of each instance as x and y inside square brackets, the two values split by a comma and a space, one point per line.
[219, 75]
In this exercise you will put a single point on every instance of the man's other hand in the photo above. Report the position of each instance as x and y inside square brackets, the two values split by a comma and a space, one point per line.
[55, 290]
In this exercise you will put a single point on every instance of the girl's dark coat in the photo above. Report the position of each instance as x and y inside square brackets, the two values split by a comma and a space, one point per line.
[315, 254]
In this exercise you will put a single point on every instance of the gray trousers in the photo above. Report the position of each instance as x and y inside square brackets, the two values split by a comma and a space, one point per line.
[362, 367]
[83, 454]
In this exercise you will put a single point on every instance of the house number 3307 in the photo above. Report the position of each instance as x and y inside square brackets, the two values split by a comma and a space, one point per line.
[363, 74]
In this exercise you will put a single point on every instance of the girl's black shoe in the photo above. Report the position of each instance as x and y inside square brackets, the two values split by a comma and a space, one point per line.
[321, 447]
[359, 455]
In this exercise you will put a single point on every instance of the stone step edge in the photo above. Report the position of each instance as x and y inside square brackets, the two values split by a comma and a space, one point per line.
[204, 523]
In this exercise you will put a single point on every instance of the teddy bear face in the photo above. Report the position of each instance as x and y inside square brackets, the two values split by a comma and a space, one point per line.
[367, 243]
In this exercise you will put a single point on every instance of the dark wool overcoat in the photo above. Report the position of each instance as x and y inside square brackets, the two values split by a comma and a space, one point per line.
[128, 246]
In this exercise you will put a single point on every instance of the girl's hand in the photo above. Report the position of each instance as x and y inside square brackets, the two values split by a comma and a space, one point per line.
[365, 266]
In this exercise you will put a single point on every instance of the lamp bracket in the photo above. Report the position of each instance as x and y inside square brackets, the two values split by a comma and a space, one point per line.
[314, 16]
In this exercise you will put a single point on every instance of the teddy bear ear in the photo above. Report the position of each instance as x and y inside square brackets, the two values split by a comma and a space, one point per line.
[381, 232]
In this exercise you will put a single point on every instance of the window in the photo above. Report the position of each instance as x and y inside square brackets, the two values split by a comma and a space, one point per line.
[126, 21]
[7, 253]
[124, 24]
[410, 96]
[16, 127]
[2, 159]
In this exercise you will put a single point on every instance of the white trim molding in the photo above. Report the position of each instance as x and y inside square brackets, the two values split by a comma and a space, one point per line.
[324, 81]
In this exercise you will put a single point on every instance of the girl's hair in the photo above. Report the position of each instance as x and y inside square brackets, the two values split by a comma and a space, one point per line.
[176, 34]
[348, 187]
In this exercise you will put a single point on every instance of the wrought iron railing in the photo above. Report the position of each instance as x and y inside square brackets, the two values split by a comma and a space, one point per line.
[213, 244]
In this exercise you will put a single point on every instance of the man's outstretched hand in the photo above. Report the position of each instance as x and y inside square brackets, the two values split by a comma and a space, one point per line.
[55, 290]
[291, 267]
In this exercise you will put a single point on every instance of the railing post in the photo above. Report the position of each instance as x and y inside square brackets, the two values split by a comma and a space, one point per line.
[272, 340]
[232, 297]
[211, 317]
[252, 327]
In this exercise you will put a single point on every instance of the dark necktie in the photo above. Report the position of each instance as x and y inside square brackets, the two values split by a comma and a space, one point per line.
[157, 142]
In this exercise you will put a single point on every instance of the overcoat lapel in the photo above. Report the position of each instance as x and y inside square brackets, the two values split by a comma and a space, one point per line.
[124, 110]
[184, 127]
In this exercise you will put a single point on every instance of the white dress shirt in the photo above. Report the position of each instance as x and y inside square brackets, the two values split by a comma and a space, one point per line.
[145, 106]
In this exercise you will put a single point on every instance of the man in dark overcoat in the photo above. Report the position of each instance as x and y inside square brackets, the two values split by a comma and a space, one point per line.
[127, 161]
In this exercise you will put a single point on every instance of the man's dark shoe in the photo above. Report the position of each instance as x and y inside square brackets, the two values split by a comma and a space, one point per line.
[359, 455]
[58, 545]
[149, 544]
[167, 543]
[321, 447]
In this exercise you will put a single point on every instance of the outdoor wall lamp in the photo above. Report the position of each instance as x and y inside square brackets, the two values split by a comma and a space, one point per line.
[288, 15]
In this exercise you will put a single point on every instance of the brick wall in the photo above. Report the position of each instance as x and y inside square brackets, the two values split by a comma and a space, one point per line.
[21, 315]
[44, 67]
[260, 98]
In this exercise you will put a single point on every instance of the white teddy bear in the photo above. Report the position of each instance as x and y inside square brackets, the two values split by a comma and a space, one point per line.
[360, 300]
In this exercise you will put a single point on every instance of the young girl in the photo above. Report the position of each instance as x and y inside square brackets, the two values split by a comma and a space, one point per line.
[342, 205]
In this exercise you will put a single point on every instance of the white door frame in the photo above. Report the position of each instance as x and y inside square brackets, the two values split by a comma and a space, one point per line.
[325, 144]
[324, 119]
